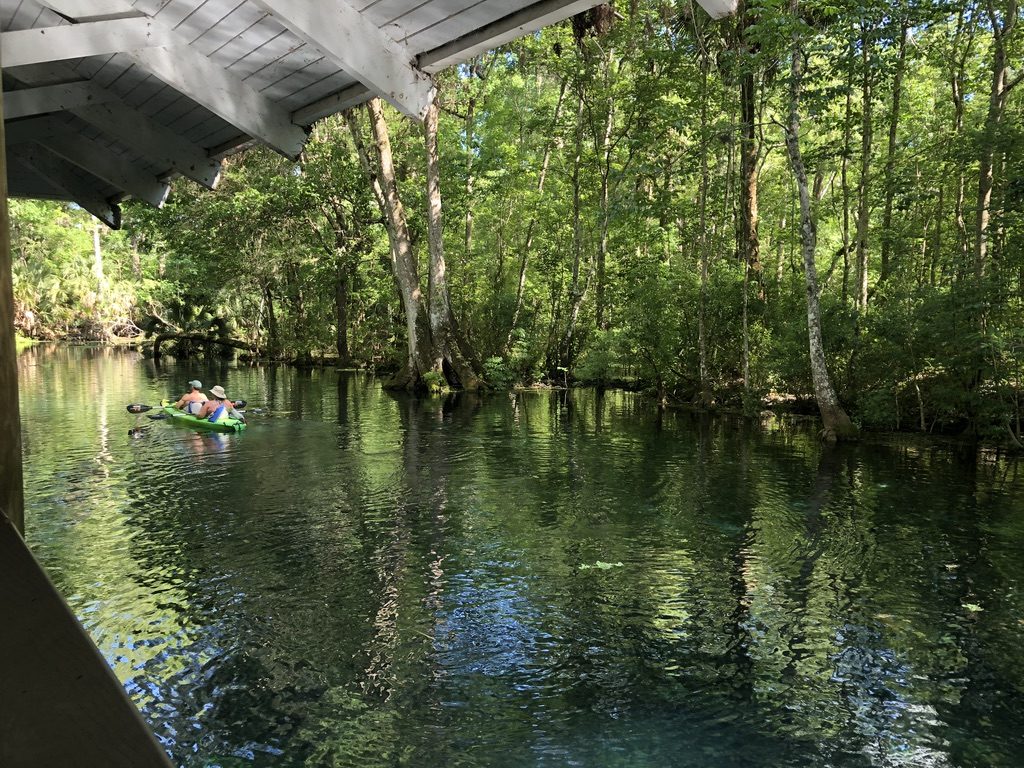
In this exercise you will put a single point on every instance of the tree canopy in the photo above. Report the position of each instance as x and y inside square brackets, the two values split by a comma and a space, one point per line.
[620, 206]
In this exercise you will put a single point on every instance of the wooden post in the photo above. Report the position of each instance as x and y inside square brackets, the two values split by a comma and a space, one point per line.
[12, 501]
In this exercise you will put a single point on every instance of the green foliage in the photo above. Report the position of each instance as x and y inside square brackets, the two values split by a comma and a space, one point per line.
[435, 382]
[498, 374]
[588, 184]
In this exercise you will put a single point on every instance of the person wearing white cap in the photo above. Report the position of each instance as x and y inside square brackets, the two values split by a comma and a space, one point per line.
[192, 401]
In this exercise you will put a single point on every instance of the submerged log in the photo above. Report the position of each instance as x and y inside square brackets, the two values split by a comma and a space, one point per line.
[199, 338]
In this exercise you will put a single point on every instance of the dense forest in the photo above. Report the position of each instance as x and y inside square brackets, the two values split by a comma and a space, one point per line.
[808, 202]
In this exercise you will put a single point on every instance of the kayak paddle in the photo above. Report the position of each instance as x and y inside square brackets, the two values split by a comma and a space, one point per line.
[142, 408]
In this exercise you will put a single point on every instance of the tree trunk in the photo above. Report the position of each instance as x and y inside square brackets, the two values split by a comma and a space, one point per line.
[577, 291]
[606, 162]
[844, 169]
[403, 260]
[750, 247]
[470, 123]
[531, 227]
[749, 154]
[446, 347]
[273, 337]
[999, 92]
[705, 243]
[836, 423]
[341, 290]
[890, 160]
[863, 186]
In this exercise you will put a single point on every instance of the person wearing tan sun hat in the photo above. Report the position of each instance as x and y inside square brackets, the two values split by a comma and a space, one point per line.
[193, 400]
[218, 406]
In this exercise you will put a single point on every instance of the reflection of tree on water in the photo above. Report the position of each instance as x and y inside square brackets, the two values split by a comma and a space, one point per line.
[439, 581]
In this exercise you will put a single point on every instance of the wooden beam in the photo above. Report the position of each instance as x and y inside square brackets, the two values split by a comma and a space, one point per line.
[224, 94]
[194, 75]
[12, 499]
[30, 129]
[62, 704]
[53, 98]
[504, 30]
[359, 47]
[719, 9]
[329, 105]
[91, 9]
[74, 41]
[62, 174]
[161, 146]
[97, 160]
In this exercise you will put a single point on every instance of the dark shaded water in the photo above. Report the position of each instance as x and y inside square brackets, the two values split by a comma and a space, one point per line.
[546, 579]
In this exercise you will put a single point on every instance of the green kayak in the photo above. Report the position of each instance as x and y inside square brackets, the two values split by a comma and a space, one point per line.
[187, 420]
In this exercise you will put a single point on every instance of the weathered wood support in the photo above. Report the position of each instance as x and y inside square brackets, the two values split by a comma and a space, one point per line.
[12, 504]
[61, 703]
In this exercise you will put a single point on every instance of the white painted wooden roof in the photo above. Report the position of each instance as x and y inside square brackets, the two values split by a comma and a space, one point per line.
[105, 99]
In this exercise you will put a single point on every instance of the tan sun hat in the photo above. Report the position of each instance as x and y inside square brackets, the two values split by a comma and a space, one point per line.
[218, 392]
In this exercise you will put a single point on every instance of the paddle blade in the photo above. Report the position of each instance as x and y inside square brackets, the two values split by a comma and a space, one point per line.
[139, 408]
[240, 404]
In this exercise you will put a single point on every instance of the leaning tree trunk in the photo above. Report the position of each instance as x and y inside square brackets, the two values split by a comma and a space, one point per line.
[447, 353]
[403, 260]
[837, 424]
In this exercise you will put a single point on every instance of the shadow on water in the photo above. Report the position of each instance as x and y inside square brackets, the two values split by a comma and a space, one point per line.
[563, 578]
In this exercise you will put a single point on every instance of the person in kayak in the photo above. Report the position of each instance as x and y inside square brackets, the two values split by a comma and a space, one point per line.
[192, 401]
[218, 406]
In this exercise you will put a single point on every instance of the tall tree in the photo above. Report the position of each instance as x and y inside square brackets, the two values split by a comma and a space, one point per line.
[837, 424]
[890, 158]
[1004, 21]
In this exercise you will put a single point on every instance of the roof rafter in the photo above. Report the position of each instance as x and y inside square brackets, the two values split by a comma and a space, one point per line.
[502, 31]
[116, 171]
[73, 41]
[719, 9]
[53, 98]
[161, 146]
[61, 174]
[194, 75]
[352, 96]
[224, 94]
[358, 46]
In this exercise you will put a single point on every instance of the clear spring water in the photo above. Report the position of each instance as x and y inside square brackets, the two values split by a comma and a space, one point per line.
[550, 579]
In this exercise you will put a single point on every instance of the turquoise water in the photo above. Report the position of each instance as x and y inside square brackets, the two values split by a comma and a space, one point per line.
[552, 579]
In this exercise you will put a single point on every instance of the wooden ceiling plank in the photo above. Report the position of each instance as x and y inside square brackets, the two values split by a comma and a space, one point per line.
[719, 9]
[72, 41]
[225, 95]
[336, 102]
[504, 30]
[360, 48]
[64, 175]
[160, 145]
[93, 158]
[53, 98]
